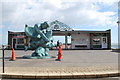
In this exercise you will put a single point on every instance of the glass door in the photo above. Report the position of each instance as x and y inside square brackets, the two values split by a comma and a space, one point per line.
[104, 42]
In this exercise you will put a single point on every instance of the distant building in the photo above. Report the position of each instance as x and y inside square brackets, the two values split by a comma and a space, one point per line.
[79, 39]
[16, 40]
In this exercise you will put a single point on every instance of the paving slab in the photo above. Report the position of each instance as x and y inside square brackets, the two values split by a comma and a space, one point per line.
[54, 74]
[42, 75]
[78, 75]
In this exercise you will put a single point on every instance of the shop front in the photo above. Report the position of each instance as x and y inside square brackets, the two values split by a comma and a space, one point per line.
[100, 41]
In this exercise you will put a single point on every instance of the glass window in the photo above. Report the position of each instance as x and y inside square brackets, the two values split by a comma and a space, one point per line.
[20, 40]
[103, 34]
[104, 40]
[96, 41]
[97, 34]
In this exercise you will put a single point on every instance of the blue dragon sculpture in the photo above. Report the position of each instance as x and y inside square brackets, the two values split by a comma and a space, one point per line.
[41, 39]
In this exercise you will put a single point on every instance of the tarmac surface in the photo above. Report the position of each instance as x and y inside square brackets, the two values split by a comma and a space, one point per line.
[74, 64]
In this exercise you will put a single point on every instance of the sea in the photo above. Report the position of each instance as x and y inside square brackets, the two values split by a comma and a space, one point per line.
[114, 46]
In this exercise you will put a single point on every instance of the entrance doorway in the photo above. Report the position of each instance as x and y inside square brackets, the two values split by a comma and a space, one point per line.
[104, 42]
[14, 40]
[66, 41]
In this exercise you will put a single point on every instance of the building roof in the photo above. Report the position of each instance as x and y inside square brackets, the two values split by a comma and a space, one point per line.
[57, 25]
[58, 32]
[77, 31]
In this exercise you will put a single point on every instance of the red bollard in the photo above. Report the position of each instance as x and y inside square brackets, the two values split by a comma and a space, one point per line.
[59, 53]
[13, 55]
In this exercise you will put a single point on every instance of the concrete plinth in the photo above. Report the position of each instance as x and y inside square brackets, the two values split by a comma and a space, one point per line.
[37, 57]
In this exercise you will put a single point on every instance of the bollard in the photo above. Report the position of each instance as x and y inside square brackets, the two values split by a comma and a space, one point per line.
[59, 53]
[13, 55]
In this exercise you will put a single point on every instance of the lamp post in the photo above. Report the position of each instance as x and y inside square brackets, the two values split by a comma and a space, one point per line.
[118, 34]
[118, 25]
[3, 59]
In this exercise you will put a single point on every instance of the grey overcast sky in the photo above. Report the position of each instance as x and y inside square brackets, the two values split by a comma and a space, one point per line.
[78, 14]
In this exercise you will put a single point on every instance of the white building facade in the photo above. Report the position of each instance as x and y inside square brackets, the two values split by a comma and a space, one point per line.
[79, 39]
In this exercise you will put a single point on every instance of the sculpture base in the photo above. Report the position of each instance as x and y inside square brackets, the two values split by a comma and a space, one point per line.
[37, 57]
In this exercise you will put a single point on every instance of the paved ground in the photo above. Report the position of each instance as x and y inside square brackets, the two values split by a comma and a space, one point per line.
[70, 58]
[74, 62]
